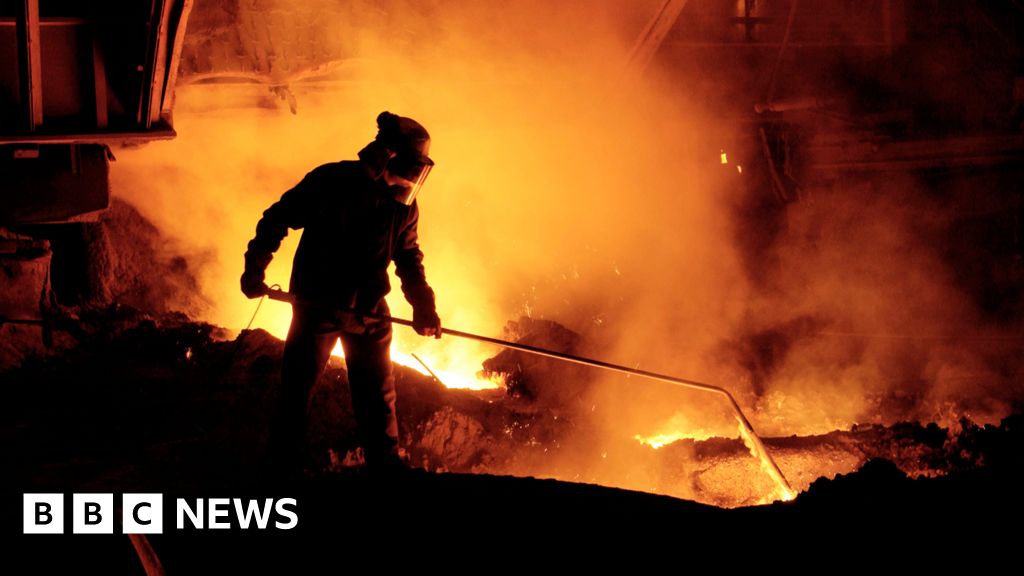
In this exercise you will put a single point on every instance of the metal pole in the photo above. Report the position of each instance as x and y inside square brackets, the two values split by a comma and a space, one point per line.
[773, 468]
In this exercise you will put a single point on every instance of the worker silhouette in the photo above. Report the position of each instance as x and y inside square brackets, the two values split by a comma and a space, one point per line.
[356, 218]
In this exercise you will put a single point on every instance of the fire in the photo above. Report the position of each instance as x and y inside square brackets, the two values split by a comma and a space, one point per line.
[531, 178]
[456, 374]
[678, 427]
[660, 440]
[782, 490]
[455, 364]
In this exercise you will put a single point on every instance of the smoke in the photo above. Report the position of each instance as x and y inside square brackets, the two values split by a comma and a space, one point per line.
[564, 192]
[552, 178]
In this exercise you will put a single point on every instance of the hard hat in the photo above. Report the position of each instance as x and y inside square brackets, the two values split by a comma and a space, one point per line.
[410, 143]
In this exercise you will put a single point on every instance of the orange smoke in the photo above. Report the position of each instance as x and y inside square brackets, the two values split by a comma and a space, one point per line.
[522, 192]
[562, 192]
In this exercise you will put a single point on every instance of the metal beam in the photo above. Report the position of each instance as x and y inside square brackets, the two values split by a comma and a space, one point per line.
[51, 22]
[161, 132]
[158, 64]
[653, 35]
[30, 74]
[145, 79]
[770, 94]
[172, 68]
[99, 76]
[945, 153]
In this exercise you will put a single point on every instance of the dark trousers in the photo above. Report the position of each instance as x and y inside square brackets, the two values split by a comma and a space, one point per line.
[367, 346]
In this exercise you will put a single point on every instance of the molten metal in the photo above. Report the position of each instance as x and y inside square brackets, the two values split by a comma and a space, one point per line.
[753, 441]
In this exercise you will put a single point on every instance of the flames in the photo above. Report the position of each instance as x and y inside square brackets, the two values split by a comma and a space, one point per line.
[679, 427]
[682, 427]
[601, 206]
[454, 364]
[478, 268]
[782, 490]
[457, 375]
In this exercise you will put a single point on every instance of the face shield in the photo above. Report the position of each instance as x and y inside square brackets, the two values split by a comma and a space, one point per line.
[408, 173]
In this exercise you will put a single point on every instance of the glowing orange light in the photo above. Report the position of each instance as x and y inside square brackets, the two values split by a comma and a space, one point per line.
[456, 372]
[678, 427]
[661, 440]
[782, 491]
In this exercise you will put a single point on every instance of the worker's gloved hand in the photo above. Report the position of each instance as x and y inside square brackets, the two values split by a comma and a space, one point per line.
[253, 285]
[426, 323]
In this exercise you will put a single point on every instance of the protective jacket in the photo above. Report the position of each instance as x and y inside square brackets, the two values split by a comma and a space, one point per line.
[352, 231]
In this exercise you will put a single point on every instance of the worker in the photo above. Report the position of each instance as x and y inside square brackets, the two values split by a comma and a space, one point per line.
[357, 217]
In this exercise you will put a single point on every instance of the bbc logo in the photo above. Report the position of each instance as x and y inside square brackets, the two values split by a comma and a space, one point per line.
[93, 513]
[144, 513]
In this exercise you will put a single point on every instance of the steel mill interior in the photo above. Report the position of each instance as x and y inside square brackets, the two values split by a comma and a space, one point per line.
[708, 274]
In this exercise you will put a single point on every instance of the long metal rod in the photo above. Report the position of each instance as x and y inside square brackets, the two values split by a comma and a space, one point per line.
[30, 74]
[773, 468]
[654, 35]
[782, 50]
[427, 368]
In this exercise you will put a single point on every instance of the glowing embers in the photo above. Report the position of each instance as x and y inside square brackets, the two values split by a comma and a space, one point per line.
[458, 373]
[454, 370]
[678, 427]
[782, 491]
